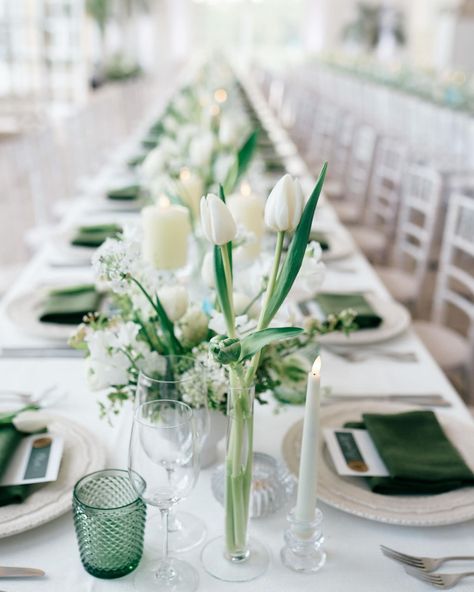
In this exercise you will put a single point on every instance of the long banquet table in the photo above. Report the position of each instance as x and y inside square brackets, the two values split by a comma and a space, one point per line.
[354, 560]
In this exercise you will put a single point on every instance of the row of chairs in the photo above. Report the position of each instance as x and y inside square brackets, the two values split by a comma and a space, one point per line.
[416, 228]
[45, 167]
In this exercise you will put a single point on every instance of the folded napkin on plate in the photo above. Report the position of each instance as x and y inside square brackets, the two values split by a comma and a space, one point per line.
[10, 438]
[94, 236]
[331, 303]
[417, 453]
[68, 306]
[321, 239]
[128, 193]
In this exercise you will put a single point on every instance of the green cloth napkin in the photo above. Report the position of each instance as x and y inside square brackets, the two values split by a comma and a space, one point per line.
[94, 236]
[68, 306]
[417, 453]
[10, 438]
[128, 193]
[331, 303]
[321, 239]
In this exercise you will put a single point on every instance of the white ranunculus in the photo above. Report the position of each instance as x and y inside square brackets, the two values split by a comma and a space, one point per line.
[31, 421]
[174, 300]
[228, 132]
[217, 222]
[113, 371]
[207, 270]
[200, 150]
[194, 326]
[285, 205]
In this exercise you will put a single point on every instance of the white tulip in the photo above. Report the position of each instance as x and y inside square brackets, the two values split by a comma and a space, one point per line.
[189, 188]
[31, 421]
[285, 205]
[174, 300]
[200, 150]
[207, 270]
[217, 222]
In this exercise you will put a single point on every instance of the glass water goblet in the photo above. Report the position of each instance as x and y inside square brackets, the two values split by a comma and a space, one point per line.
[163, 469]
[181, 377]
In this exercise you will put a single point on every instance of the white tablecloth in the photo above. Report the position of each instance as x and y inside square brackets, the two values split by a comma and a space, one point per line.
[354, 560]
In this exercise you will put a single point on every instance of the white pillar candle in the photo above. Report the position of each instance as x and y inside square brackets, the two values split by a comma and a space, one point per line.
[247, 210]
[307, 482]
[166, 230]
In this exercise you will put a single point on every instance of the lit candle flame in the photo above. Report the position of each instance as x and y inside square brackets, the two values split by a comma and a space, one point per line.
[316, 369]
[164, 201]
[220, 95]
[245, 188]
[184, 174]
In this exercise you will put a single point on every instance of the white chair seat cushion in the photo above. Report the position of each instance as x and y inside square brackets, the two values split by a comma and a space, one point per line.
[346, 212]
[370, 240]
[401, 284]
[448, 348]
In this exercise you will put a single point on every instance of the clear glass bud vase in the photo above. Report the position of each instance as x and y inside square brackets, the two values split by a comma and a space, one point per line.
[238, 467]
[235, 557]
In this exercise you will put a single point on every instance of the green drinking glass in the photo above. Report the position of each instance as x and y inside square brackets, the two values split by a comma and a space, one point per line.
[109, 519]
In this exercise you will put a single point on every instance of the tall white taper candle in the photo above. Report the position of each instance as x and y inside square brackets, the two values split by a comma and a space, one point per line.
[307, 483]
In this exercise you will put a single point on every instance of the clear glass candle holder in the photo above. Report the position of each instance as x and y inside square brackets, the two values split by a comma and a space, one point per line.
[304, 544]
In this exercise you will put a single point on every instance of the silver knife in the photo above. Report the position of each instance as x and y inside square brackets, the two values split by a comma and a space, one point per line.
[20, 572]
[40, 352]
[428, 400]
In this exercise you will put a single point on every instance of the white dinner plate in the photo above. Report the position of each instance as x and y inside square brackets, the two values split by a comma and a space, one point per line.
[25, 309]
[83, 454]
[352, 494]
[395, 320]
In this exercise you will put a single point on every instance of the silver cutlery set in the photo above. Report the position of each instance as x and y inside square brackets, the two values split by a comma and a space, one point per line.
[423, 568]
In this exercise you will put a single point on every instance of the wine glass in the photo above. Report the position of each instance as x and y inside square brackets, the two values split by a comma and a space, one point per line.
[163, 469]
[180, 378]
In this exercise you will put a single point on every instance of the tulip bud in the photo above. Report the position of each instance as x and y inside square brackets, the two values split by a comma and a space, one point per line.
[218, 224]
[284, 205]
[174, 300]
[225, 350]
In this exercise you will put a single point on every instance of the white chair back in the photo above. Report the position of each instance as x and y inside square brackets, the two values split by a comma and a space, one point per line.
[455, 284]
[419, 210]
[323, 131]
[360, 166]
[341, 148]
[384, 191]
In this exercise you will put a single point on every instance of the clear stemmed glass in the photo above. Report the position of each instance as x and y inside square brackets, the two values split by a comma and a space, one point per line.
[163, 468]
[176, 382]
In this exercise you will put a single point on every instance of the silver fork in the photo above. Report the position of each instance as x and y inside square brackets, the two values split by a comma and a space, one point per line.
[421, 564]
[442, 581]
[43, 398]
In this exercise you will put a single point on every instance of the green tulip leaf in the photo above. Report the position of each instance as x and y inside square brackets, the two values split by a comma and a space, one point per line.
[168, 328]
[232, 177]
[251, 344]
[296, 251]
[246, 152]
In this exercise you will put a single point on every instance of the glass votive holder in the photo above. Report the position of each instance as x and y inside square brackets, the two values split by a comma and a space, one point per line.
[272, 485]
[109, 519]
[304, 544]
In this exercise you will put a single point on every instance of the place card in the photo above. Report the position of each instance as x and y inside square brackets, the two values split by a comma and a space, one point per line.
[36, 460]
[353, 453]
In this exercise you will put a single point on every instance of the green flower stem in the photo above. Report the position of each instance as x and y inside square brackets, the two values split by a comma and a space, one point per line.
[173, 343]
[238, 468]
[229, 285]
[271, 285]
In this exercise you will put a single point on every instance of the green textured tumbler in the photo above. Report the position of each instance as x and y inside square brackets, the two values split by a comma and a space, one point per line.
[109, 519]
